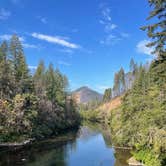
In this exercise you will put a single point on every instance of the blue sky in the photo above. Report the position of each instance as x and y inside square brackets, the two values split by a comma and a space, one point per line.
[89, 40]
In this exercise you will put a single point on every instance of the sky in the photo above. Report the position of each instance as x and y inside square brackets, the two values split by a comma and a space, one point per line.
[88, 40]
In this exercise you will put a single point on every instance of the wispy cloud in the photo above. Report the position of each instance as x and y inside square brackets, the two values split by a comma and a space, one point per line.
[64, 63]
[112, 34]
[110, 40]
[26, 45]
[124, 35]
[55, 40]
[106, 14]
[106, 19]
[5, 37]
[15, 1]
[8, 37]
[42, 19]
[4, 14]
[32, 67]
[19, 3]
[68, 51]
[143, 49]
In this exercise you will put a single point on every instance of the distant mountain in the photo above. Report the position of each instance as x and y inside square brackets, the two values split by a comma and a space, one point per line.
[85, 95]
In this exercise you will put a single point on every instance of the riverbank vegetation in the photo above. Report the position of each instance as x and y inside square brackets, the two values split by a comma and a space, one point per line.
[32, 105]
[140, 120]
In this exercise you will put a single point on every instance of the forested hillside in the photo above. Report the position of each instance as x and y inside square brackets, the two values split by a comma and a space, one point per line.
[142, 117]
[140, 120]
[32, 106]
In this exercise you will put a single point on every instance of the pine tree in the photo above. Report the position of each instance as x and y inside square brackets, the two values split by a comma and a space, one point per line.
[51, 84]
[116, 84]
[6, 77]
[157, 31]
[121, 80]
[39, 80]
[107, 95]
[133, 67]
[23, 81]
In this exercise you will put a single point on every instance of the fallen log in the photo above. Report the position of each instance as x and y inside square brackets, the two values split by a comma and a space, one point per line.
[15, 144]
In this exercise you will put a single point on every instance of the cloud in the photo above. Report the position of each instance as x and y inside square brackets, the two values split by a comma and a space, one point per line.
[4, 14]
[110, 27]
[143, 49]
[32, 67]
[8, 37]
[112, 35]
[68, 51]
[42, 19]
[15, 1]
[19, 3]
[26, 45]
[106, 19]
[110, 40]
[55, 40]
[64, 63]
[106, 14]
[5, 37]
[125, 35]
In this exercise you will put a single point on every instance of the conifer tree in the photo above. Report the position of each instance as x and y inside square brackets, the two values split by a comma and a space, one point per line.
[107, 95]
[20, 68]
[39, 80]
[133, 67]
[116, 84]
[157, 30]
[6, 77]
[121, 80]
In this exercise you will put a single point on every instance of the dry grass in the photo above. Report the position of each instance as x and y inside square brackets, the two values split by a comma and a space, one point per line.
[113, 104]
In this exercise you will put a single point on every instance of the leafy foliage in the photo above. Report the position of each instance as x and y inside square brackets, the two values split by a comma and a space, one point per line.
[32, 106]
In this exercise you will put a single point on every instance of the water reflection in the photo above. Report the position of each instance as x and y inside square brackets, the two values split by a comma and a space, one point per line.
[90, 146]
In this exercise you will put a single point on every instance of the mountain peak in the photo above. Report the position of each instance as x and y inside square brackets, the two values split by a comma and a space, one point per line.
[84, 95]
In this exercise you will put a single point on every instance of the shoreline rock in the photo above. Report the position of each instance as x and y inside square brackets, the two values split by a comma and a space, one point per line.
[133, 162]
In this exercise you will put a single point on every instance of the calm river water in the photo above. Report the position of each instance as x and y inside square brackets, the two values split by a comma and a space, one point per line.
[90, 146]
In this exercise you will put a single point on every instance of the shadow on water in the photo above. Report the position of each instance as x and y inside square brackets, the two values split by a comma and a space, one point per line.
[90, 146]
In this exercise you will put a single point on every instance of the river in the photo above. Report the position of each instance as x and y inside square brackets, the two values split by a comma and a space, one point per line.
[89, 146]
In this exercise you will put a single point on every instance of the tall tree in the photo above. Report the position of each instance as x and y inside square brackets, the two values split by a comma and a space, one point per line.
[6, 77]
[39, 80]
[20, 68]
[133, 67]
[107, 95]
[116, 84]
[157, 30]
[121, 80]
[51, 84]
